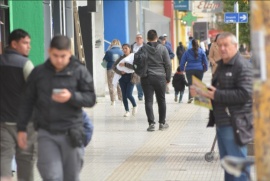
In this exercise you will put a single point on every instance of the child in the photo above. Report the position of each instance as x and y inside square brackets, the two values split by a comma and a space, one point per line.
[179, 82]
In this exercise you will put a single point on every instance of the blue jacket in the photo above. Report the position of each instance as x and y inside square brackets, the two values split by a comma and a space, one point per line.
[88, 128]
[199, 63]
[169, 48]
[111, 55]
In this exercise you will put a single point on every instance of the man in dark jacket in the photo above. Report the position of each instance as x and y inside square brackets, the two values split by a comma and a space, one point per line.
[231, 95]
[15, 68]
[180, 51]
[57, 89]
[158, 75]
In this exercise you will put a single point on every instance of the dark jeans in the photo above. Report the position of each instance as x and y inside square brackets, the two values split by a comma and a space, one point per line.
[227, 146]
[157, 85]
[181, 94]
[140, 90]
[196, 73]
[127, 89]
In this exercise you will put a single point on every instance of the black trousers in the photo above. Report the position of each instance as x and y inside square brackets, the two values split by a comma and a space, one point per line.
[196, 73]
[157, 85]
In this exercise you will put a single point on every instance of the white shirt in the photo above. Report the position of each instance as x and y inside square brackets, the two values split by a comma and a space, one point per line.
[136, 47]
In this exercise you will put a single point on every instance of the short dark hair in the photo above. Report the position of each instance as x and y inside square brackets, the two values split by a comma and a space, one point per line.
[152, 35]
[16, 35]
[125, 44]
[178, 69]
[61, 42]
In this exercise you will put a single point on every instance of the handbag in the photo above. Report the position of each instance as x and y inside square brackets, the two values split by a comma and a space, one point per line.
[243, 128]
[104, 64]
[135, 79]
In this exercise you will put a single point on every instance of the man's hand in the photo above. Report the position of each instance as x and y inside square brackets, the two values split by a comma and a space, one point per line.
[62, 97]
[22, 139]
[122, 64]
[211, 92]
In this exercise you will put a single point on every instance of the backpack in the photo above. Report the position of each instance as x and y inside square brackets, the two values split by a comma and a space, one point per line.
[140, 63]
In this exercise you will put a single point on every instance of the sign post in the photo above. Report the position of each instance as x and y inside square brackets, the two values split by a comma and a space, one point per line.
[236, 9]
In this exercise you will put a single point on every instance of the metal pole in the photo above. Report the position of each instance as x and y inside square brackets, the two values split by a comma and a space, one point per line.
[236, 10]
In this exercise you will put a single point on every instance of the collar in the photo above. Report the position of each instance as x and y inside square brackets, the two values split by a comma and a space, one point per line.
[232, 61]
[9, 50]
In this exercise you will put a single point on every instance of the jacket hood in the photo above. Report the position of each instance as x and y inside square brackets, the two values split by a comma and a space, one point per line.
[152, 47]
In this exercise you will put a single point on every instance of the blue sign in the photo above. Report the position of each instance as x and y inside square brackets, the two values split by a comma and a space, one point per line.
[231, 17]
[181, 5]
[241, 17]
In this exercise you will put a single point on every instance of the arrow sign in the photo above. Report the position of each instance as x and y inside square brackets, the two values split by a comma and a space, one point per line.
[243, 17]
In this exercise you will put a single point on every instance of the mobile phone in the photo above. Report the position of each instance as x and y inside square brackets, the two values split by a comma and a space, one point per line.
[57, 91]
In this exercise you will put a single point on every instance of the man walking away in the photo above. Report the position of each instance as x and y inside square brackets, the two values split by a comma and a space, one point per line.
[15, 68]
[58, 89]
[158, 75]
[231, 94]
[134, 48]
[180, 51]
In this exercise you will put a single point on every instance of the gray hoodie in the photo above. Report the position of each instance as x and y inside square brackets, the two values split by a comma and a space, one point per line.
[159, 63]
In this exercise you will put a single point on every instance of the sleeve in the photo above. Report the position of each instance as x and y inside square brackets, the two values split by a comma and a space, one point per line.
[128, 65]
[205, 62]
[167, 64]
[183, 62]
[106, 56]
[27, 69]
[27, 102]
[243, 90]
[85, 95]
[114, 66]
[173, 81]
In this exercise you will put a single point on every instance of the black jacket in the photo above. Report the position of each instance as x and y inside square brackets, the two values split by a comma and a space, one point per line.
[179, 82]
[234, 89]
[51, 115]
[13, 73]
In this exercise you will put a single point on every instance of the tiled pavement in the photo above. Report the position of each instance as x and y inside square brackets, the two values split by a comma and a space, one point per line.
[122, 149]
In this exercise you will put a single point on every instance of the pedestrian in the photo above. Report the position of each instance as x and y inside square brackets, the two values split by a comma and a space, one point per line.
[139, 42]
[190, 42]
[179, 82]
[15, 68]
[126, 78]
[180, 51]
[110, 57]
[162, 39]
[194, 63]
[57, 89]
[214, 55]
[167, 43]
[231, 95]
[155, 80]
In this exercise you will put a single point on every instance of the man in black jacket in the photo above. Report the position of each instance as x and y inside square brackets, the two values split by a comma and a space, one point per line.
[15, 68]
[57, 89]
[158, 75]
[231, 96]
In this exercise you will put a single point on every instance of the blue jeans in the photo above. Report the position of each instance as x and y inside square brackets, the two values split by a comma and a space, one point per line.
[228, 146]
[127, 89]
[140, 90]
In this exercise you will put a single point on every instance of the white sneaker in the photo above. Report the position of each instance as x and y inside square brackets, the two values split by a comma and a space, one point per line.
[134, 110]
[113, 103]
[126, 114]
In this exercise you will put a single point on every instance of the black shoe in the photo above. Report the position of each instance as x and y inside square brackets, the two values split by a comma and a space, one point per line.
[140, 98]
[163, 127]
[151, 127]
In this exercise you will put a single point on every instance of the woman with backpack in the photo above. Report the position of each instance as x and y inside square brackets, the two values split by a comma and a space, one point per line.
[194, 62]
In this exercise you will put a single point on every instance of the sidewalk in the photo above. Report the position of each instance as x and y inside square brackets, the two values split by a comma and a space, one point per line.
[122, 149]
